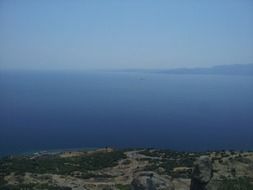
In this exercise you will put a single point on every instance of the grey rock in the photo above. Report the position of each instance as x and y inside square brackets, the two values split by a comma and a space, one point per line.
[150, 181]
[202, 173]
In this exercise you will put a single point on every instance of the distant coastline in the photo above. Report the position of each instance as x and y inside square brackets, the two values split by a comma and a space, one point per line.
[47, 151]
[51, 152]
[235, 69]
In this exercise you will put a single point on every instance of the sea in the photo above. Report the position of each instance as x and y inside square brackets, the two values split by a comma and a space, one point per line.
[46, 110]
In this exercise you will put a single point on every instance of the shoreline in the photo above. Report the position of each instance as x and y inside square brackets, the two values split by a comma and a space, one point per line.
[41, 152]
[47, 151]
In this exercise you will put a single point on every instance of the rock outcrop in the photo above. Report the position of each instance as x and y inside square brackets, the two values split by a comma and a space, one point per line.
[202, 173]
[150, 181]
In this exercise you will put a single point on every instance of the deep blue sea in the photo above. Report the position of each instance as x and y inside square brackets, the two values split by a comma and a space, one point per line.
[54, 110]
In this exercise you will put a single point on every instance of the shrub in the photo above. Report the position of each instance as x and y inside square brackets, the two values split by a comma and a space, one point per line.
[236, 184]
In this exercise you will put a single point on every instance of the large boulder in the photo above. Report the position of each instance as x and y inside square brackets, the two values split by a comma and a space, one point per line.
[150, 181]
[202, 173]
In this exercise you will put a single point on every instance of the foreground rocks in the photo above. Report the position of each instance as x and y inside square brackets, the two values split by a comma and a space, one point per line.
[202, 173]
[146, 169]
[151, 181]
[223, 171]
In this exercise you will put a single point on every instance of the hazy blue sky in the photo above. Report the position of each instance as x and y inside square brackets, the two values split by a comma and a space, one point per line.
[63, 34]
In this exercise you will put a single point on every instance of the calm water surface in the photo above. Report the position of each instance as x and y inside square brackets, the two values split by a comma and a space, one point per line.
[52, 110]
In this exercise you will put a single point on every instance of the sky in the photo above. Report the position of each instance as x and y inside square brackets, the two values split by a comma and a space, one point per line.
[124, 34]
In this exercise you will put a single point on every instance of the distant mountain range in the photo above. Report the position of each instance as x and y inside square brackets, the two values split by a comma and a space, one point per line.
[236, 69]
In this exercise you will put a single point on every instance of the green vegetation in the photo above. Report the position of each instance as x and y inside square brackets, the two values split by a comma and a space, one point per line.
[87, 175]
[171, 160]
[123, 187]
[33, 187]
[152, 153]
[170, 154]
[236, 184]
[126, 162]
[2, 181]
[62, 166]
[85, 166]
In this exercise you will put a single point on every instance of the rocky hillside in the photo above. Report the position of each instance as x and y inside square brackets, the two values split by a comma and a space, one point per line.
[142, 169]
